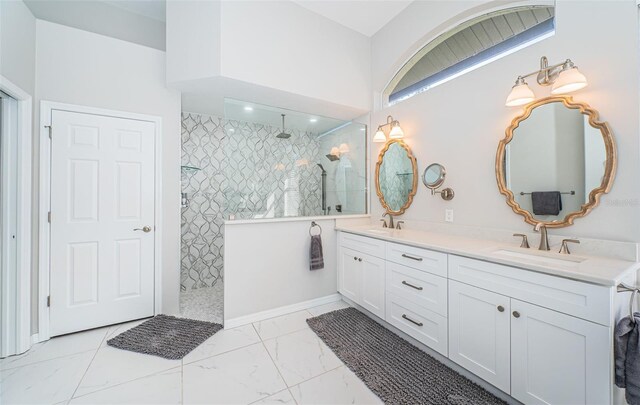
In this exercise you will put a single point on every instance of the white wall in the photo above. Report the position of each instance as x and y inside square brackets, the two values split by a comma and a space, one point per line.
[270, 52]
[266, 266]
[18, 64]
[460, 123]
[84, 68]
[17, 45]
[282, 45]
[193, 40]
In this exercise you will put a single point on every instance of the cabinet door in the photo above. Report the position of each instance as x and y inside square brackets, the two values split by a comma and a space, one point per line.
[349, 274]
[558, 359]
[373, 288]
[479, 333]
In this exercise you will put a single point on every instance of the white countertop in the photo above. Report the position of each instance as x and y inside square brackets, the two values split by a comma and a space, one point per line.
[592, 269]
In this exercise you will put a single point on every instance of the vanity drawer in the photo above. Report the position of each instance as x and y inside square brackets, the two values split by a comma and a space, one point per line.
[421, 259]
[583, 300]
[371, 246]
[421, 324]
[424, 289]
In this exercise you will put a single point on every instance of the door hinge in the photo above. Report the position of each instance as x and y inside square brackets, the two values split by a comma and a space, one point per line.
[50, 129]
[49, 217]
[48, 300]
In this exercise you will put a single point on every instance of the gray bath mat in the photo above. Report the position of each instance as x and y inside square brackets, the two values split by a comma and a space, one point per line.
[395, 370]
[165, 336]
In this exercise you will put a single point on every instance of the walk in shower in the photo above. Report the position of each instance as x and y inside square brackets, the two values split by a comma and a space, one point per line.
[259, 162]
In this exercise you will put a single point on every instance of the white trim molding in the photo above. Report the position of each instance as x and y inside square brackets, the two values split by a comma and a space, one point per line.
[287, 309]
[46, 109]
[16, 313]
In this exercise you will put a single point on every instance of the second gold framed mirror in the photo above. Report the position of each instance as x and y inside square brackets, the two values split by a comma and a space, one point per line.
[556, 160]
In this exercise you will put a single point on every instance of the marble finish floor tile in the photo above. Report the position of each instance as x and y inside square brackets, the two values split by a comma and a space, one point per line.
[113, 366]
[339, 386]
[162, 388]
[332, 306]
[241, 376]
[274, 327]
[282, 397]
[45, 382]
[223, 341]
[301, 355]
[57, 347]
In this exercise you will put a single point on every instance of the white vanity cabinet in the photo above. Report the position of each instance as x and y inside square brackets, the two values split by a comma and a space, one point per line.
[536, 355]
[540, 338]
[361, 275]
[479, 333]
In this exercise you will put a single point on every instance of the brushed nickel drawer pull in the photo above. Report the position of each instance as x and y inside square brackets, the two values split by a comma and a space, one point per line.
[419, 259]
[411, 320]
[411, 285]
[516, 314]
[500, 308]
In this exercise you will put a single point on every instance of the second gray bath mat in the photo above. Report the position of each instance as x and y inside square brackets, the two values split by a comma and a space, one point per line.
[395, 370]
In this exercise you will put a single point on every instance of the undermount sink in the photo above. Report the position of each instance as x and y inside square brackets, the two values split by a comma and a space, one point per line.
[380, 231]
[541, 257]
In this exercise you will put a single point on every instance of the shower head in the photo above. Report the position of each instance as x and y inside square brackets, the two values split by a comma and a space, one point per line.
[322, 168]
[283, 135]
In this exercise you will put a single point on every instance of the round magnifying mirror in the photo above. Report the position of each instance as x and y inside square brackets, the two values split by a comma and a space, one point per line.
[434, 175]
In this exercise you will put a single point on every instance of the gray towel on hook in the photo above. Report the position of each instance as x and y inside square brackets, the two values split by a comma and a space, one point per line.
[317, 258]
[627, 357]
[546, 202]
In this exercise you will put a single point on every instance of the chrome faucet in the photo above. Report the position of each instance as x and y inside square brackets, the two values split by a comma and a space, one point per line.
[390, 224]
[544, 238]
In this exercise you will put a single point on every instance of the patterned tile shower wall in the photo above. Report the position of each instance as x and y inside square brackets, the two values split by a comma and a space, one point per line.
[245, 171]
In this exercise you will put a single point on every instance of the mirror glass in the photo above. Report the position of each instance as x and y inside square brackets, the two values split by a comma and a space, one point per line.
[554, 160]
[433, 175]
[396, 177]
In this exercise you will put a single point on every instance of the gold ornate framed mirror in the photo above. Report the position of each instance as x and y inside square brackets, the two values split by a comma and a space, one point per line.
[396, 177]
[555, 161]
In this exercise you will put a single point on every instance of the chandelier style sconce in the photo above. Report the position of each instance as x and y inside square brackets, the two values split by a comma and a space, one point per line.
[395, 133]
[562, 77]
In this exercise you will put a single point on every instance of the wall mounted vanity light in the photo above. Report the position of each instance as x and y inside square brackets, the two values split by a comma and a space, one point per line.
[562, 77]
[395, 133]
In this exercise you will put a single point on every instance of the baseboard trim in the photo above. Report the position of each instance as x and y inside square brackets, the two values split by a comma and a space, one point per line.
[287, 309]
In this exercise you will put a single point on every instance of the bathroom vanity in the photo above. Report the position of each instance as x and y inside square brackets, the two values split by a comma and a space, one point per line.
[536, 325]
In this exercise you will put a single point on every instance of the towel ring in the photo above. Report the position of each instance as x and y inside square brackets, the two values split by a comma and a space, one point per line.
[313, 225]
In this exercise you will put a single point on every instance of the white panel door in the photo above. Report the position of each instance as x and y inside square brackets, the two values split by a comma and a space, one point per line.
[373, 277]
[558, 359]
[102, 195]
[349, 274]
[479, 333]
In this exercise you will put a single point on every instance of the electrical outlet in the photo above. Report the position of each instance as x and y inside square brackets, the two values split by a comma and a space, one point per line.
[448, 215]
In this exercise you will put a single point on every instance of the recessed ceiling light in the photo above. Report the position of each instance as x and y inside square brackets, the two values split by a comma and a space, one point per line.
[313, 120]
[248, 108]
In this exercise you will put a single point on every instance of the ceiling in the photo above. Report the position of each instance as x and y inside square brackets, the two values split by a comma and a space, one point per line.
[154, 9]
[272, 116]
[366, 17]
[143, 21]
[138, 21]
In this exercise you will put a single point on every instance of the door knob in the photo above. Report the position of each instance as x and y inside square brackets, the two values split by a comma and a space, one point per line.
[145, 229]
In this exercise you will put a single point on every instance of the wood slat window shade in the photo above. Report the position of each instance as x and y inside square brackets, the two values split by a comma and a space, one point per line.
[471, 45]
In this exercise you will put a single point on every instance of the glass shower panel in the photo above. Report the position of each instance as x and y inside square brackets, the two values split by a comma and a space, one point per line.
[282, 163]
